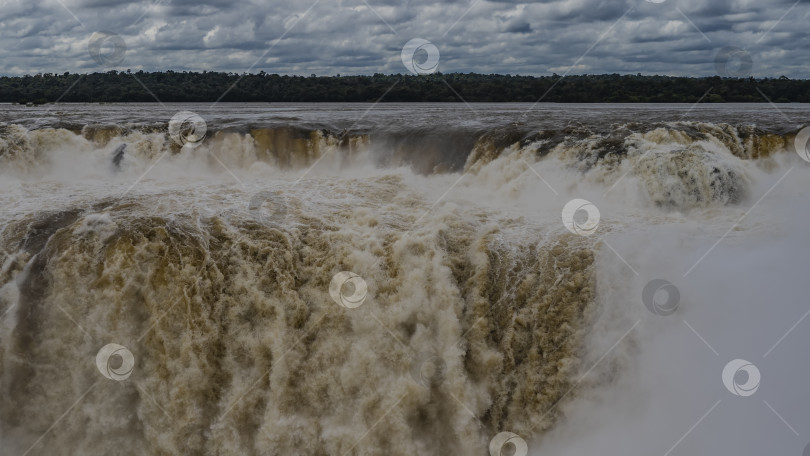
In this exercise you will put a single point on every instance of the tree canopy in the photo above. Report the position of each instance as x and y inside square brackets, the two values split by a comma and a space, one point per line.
[173, 86]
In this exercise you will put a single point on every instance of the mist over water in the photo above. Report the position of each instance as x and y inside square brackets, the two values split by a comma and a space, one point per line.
[483, 314]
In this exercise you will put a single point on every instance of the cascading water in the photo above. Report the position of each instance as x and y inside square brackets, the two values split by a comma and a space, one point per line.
[212, 266]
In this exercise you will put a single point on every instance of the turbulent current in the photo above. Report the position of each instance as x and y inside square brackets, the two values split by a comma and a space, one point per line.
[207, 257]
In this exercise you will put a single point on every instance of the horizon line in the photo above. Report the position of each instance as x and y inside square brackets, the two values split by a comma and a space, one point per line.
[339, 75]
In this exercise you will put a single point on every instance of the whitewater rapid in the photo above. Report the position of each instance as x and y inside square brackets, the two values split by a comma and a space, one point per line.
[482, 313]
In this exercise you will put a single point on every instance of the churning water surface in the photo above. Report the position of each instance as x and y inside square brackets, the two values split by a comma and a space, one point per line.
[404, 279]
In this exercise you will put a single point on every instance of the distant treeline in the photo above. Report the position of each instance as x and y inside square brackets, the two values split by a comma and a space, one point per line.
[172, 86]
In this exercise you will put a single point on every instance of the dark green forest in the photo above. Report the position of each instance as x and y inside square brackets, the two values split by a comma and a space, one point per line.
[171, 86]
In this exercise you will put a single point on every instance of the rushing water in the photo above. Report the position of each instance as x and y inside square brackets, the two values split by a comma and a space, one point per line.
[211, 263]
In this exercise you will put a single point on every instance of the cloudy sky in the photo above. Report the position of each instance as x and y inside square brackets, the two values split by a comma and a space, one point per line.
[327, 37]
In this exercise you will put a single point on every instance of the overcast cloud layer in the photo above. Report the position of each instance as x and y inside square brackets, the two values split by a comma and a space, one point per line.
[328, 37]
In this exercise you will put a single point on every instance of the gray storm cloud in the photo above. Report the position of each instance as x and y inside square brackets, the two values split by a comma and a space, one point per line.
[675, 37]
